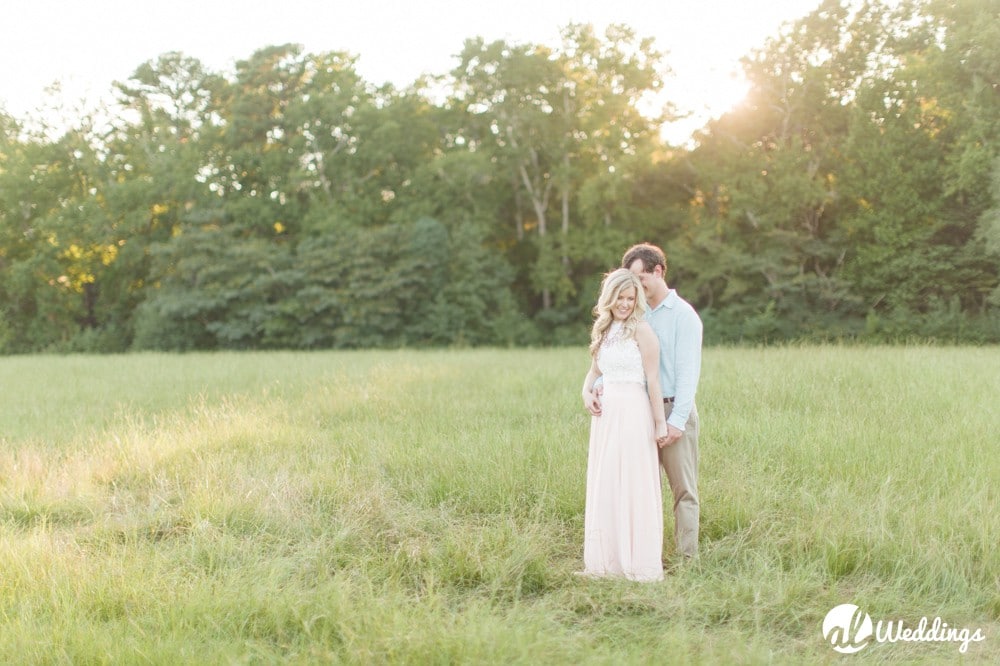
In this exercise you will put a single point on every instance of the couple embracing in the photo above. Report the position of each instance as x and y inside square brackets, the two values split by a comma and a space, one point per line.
[646, 351]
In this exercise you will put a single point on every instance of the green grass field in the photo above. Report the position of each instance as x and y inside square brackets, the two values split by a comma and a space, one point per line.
[427, 508]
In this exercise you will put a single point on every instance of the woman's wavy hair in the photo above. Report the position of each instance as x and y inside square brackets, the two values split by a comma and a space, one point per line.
[613, 285]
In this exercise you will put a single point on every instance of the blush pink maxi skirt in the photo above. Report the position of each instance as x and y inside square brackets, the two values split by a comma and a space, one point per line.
[623, 515]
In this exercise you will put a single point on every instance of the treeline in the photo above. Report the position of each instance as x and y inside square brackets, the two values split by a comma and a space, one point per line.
[291, 204]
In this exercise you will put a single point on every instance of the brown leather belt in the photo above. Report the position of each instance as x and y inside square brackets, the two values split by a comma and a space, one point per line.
[668, 401]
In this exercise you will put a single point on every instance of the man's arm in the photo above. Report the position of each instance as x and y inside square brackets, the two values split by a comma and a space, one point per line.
[687, 367]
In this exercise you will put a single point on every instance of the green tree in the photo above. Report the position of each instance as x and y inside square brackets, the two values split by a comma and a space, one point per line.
[766, 195]
[923, 136]
[63, 239]
[555, 120]
[217, 290]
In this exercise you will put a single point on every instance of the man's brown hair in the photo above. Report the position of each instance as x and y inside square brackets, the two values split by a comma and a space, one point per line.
[651, 256]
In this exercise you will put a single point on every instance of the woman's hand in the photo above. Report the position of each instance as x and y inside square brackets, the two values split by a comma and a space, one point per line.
[592, 401]
[670, 436]
[662, 435]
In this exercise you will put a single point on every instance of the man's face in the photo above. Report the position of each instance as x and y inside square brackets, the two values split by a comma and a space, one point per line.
[645, 278]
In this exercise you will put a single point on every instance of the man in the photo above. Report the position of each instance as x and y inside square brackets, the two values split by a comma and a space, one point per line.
[679, 330]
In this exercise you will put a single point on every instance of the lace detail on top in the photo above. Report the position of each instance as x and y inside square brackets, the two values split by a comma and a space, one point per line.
[619, 359]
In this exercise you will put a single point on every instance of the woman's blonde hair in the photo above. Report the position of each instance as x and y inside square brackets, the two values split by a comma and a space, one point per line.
[613, 285]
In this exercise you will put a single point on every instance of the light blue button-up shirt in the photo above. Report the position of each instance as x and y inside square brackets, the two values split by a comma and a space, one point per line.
[679, 329]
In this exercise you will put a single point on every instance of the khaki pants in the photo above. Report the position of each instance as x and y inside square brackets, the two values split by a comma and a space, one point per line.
[680, 462]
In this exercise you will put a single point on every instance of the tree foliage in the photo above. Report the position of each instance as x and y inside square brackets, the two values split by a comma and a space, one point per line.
[291, 204]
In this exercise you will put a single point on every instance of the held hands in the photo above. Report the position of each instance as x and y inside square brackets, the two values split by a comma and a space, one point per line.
[661, 433]
[592, 401]
[667, 435]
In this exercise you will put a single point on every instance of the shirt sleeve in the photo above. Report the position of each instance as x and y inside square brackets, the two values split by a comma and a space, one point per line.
[687, 367]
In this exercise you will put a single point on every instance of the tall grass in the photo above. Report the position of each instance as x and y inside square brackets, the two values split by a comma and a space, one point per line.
[427, 507]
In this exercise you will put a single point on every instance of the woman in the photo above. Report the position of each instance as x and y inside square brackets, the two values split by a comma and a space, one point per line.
[623, 520]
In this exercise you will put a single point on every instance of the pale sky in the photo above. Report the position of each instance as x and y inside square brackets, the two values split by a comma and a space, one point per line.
[87, 44]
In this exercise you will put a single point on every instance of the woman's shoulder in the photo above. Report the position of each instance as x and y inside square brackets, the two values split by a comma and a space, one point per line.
[644, 333]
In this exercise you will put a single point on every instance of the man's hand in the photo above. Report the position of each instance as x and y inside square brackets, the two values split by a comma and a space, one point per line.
[592, 401]
[673, 434]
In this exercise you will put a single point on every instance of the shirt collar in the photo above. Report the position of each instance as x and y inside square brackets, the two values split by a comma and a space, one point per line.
[669, 301]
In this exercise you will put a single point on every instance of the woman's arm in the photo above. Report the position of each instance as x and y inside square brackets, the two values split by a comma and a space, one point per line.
[649, 349]
[591, 399]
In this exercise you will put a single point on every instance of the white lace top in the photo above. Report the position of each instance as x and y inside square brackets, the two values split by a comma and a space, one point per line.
[618, 359]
